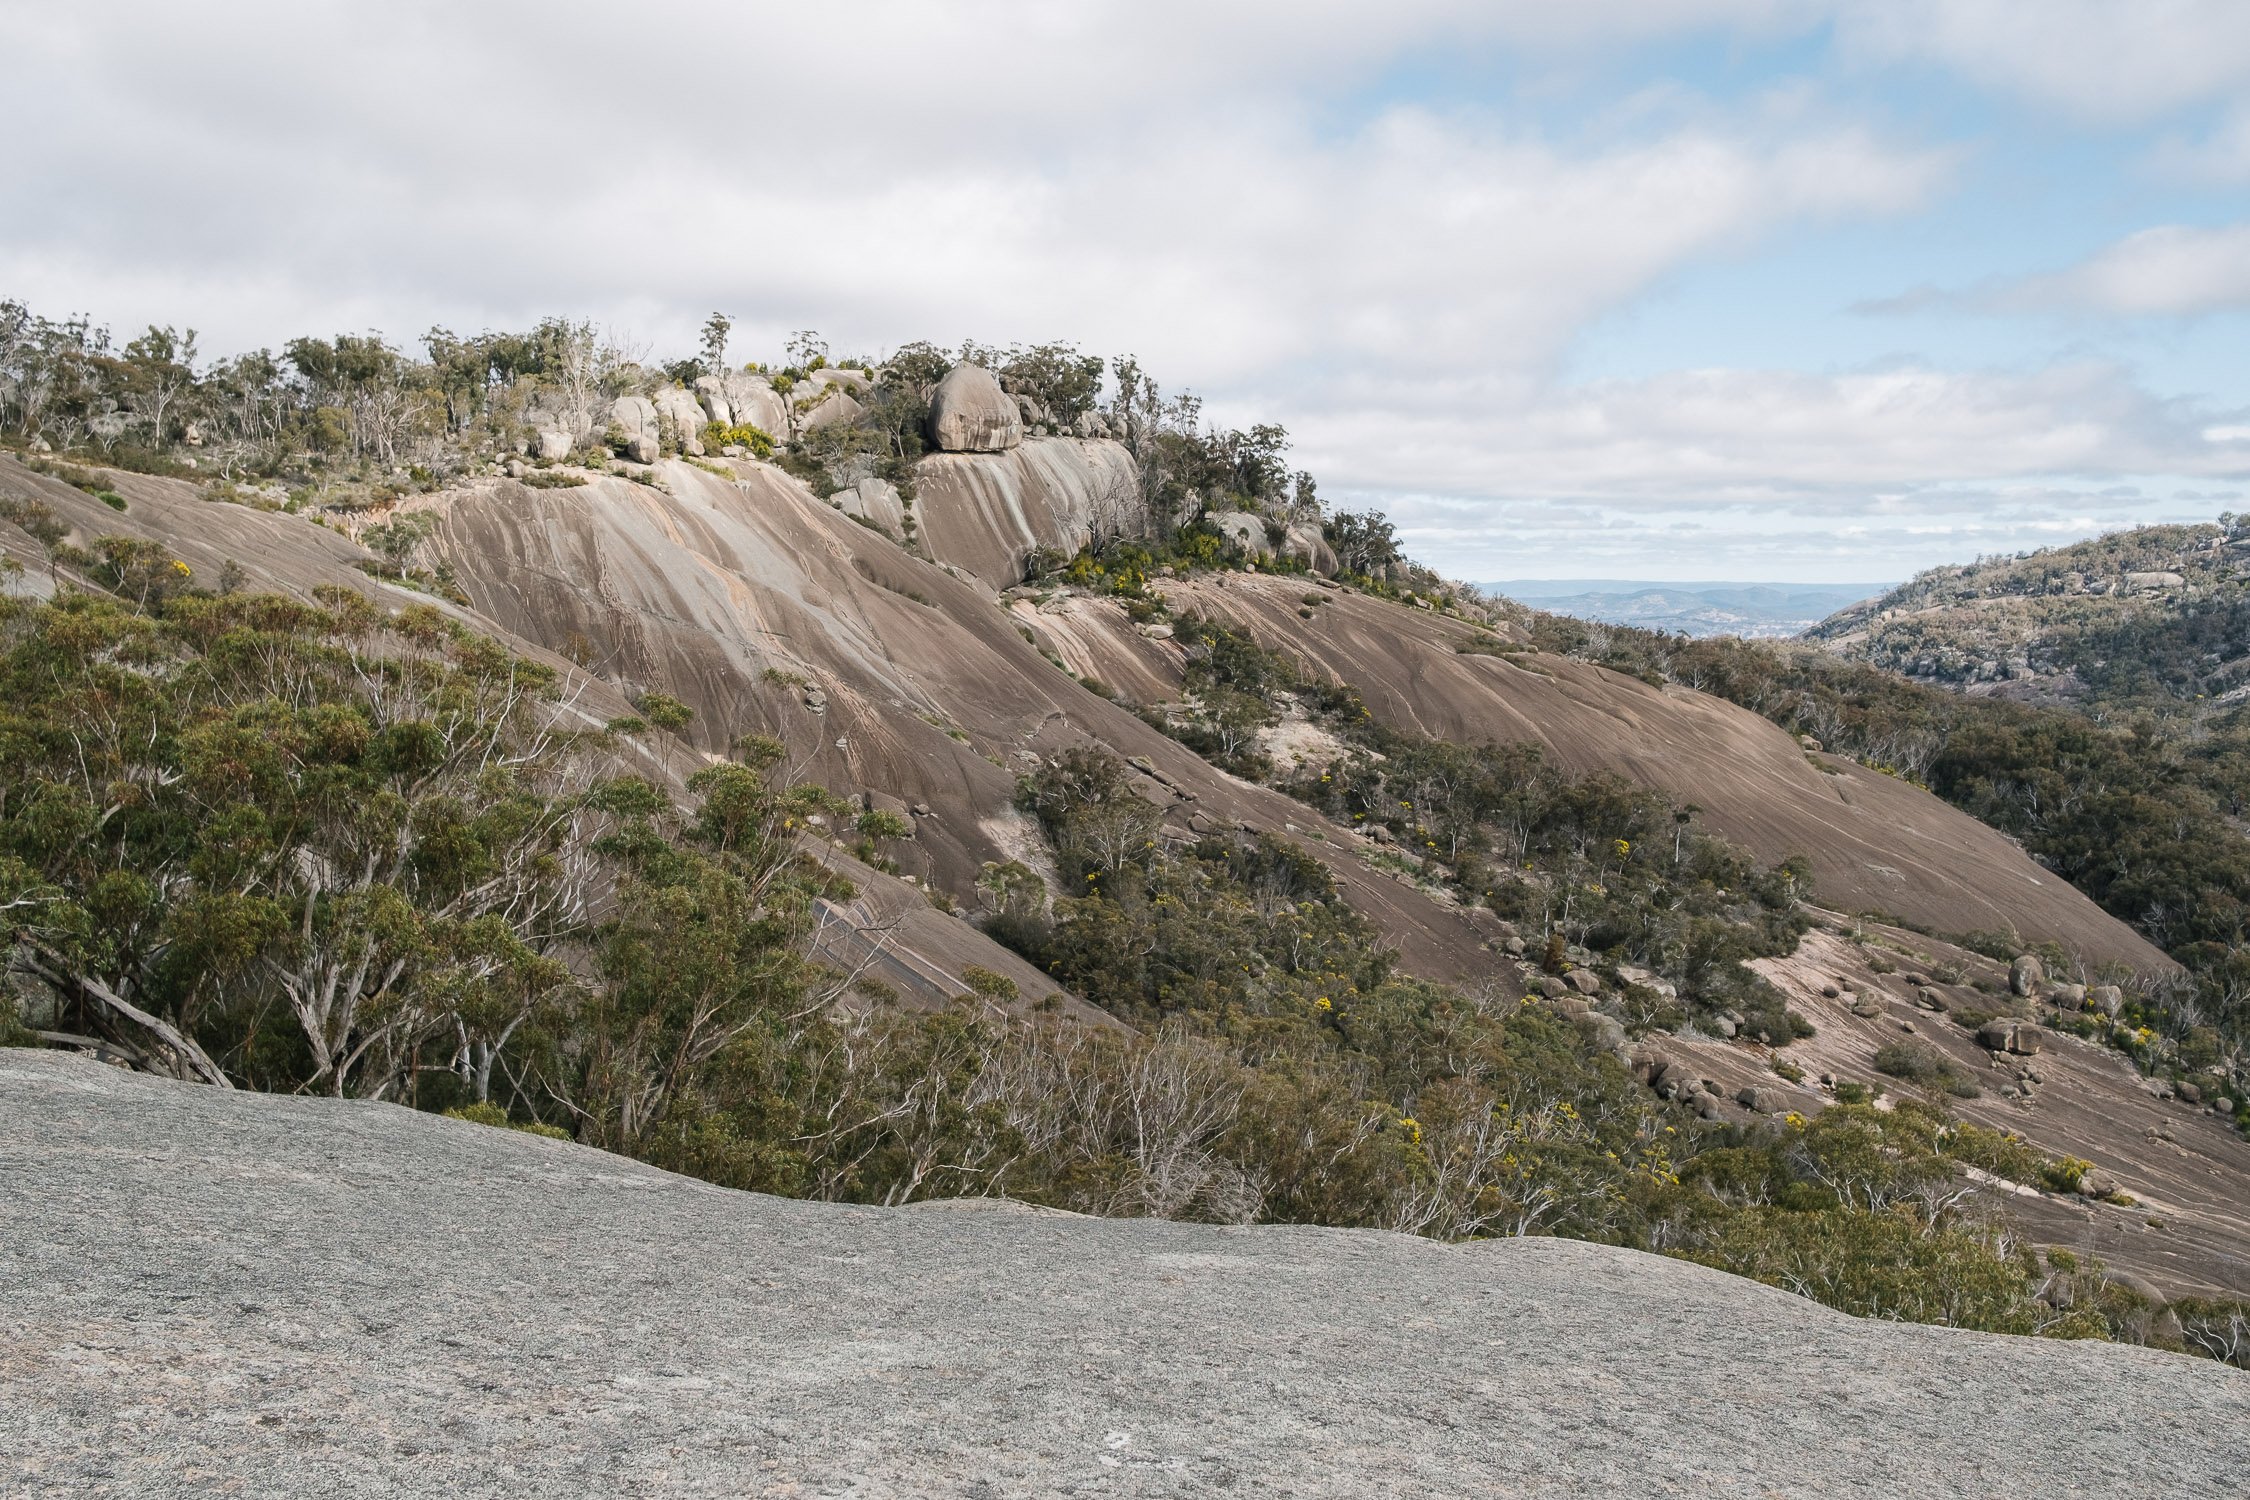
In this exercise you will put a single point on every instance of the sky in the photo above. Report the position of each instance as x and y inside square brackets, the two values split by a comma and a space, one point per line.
[1816, 290]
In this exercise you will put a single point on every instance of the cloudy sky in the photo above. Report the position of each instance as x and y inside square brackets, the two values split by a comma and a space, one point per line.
[1784, 289]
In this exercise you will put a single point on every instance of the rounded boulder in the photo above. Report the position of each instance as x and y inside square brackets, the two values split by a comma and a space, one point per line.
[969, 413]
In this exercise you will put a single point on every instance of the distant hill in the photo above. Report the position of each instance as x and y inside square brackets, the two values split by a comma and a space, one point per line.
[2153, 617]
[1750, 610]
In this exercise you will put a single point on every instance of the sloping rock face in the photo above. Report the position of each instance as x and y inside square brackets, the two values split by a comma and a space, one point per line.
[700, 588]
[915, 947]
[985, 513]
[2182, 1164]
[731, 595]
[298, 1296]
[1875, 843]
[969, 413]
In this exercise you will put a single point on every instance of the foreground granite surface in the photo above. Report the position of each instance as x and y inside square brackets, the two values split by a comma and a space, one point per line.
[212, 1293]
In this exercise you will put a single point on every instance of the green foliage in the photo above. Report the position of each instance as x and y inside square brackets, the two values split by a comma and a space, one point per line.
[1056, 376]
[2141, 815]
[2217, 1327]
[485, 1112]
[240, 807]
[1593, 861]
[1364, 541]
[1924, 1067]
[718, 435]
[1366, 1099]
[396, 540]
[1890, 1265]
[665, 711]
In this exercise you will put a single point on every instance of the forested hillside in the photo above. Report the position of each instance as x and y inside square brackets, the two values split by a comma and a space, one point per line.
[2153, 620]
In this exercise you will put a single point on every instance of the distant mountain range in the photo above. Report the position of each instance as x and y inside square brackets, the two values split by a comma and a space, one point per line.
[1699, 609]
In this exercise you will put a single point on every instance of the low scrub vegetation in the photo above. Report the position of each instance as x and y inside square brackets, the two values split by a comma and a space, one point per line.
[2142, 813]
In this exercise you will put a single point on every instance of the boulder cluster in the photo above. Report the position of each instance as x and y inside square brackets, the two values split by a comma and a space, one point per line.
[972, 411]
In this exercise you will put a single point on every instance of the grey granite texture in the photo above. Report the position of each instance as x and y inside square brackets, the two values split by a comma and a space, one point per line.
[210, 1293]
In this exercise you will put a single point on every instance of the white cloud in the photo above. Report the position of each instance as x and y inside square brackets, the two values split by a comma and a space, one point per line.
[2099, 59]
[1767, 437]
[2169, 270]
[1785, 474]
[2218, 154]
[1163, 178]
[1227, 191]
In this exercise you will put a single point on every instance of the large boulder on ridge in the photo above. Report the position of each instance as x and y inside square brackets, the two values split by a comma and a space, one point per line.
[969, 413]
[753, 402]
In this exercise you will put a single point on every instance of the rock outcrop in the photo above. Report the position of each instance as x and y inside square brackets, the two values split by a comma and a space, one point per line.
[635, 417]
[1304, 542]
[757, 404]
[380, 1302]
[1245, 532]
[969, 413]
[984, 513]
[875, 501]
[825, 411]
[683, 416]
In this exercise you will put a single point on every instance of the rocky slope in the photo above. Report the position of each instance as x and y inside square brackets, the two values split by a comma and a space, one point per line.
[923, 681]
[2180, 1219]
[217, 1290]
[894, 674]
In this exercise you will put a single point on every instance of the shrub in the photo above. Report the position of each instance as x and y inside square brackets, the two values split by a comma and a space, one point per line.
[757, 440]
[1924, 1068]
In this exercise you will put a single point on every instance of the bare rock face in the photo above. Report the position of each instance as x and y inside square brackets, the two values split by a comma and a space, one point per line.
[983, 513]
[837, 406]
[1304, 542]
[384, 1303]
[969, 413]
[1246, 531]
[751, 401]
[711, 391]
[683, 414]
[636, 417]
[877, 502]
